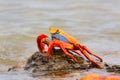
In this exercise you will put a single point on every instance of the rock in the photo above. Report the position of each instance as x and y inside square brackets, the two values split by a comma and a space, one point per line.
[112, 68]
[58, 61]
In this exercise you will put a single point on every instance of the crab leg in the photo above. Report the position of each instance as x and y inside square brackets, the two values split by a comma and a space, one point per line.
[88, 57]
[87, 50]
[83, 51]
[68, 54]
[84, 47]
[59, 44]
[50, 48]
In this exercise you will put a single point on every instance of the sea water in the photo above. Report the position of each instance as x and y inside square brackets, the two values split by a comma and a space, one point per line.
[94, 23]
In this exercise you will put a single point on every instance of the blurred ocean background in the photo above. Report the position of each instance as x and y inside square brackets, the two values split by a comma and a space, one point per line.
[94, 23]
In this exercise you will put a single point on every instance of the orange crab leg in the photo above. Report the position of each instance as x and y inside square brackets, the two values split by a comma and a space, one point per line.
[88, 57]
[84, 47]
[91, 53]
[83, 51]
[60, 44]
[68, 54]
[51, 45]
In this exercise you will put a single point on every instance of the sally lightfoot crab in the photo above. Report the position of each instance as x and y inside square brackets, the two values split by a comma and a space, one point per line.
[66, 43]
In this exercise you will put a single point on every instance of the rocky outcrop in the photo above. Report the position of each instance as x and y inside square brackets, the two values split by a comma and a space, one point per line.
[58, 61]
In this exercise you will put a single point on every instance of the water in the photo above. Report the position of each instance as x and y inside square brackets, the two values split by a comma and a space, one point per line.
[94, 23]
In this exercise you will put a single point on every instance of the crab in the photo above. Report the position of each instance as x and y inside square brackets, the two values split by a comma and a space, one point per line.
[65, 42]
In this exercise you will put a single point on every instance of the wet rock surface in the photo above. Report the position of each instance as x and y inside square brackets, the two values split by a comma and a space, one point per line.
[112, 68]
[59, 64]
[58, 61]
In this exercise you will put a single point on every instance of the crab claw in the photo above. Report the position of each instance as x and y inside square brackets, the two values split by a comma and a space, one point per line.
[40, 44]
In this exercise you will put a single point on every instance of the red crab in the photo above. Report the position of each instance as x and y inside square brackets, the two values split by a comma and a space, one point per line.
[65, 46]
